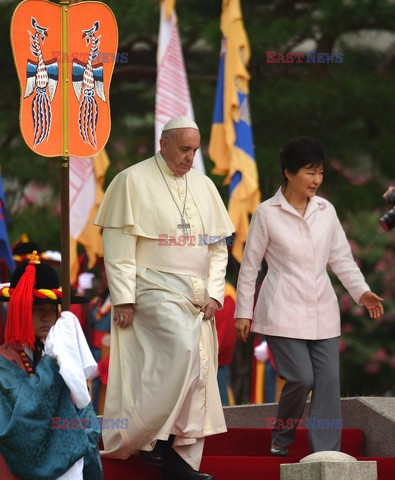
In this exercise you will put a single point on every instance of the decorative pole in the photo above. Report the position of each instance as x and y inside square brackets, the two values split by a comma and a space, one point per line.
[65, 163]
[65, 112]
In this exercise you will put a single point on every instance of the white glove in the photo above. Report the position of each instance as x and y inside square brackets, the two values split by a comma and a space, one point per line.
[85, 281]
[261, 352]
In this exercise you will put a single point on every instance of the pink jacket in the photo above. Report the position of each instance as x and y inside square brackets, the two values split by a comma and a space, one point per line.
[296, 299]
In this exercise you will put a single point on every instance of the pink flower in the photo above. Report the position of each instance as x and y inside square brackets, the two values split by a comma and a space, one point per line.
[57, 210]
[347, 328]
[358, 311]
[354, 246]
[345, 303]
[380, 355]
[321, 205]
[142, 148]
[381, 266]
[342, 346]
[358, 179]
[337, 165]
[119, 146]
[372, 368]
[388, 293]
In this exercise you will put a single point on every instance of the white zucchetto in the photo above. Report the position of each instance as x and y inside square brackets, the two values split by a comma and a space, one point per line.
[180, 122]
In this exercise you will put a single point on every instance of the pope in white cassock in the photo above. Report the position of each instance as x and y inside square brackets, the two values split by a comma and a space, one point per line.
[164, 230]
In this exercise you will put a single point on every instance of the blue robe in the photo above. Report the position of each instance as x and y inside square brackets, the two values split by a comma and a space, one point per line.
[42, 433]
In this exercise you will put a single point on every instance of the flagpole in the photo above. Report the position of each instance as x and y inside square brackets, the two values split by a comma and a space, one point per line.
[65, 163]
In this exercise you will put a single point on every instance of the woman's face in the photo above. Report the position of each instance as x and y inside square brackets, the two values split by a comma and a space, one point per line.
[44, 317]
[306, 181]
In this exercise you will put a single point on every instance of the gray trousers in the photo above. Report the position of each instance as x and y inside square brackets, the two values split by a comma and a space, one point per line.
[308, 365]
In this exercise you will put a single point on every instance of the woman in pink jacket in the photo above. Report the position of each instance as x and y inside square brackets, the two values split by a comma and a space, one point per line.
[299, 234]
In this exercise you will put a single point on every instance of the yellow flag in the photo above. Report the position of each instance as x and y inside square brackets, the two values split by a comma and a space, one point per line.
[89, 236]
[231, 143]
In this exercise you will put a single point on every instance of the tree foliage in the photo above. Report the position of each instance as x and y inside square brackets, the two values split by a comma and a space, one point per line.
[367, 345]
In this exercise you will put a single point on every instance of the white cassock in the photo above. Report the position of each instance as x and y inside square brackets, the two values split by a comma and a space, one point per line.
[163, 370]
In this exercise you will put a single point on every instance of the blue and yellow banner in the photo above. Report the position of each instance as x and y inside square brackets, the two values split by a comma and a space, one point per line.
[5, 249]
[231, 143]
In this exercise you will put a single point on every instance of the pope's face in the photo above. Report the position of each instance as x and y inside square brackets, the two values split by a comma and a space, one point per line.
[44, 317]
[178, 148]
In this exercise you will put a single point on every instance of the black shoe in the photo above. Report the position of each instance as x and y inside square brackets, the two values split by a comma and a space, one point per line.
[187, 475]
[177, 468]
[155, 457]
[278, 451]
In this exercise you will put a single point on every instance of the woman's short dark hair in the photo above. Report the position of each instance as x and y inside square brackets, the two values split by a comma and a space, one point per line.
[299, 152]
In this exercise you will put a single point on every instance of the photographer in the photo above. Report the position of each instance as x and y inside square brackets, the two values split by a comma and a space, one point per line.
[387, 221]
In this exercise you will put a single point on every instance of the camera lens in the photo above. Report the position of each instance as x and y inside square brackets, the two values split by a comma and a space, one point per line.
[387, 221]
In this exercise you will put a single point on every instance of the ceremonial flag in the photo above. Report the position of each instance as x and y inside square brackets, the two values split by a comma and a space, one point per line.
[5, 249]
[86, 192]
[231, 145]
[172, 90]
[49, 39]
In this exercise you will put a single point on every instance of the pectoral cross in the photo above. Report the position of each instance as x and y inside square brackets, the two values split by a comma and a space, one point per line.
[184, 226]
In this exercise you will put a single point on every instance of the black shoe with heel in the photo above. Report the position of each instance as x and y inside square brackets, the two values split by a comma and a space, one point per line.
[176, 468]
[155, 457]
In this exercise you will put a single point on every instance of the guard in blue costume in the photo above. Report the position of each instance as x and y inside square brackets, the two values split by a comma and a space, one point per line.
[43, 435]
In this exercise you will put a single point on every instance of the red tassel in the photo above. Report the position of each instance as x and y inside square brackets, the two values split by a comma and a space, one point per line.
[19, 324]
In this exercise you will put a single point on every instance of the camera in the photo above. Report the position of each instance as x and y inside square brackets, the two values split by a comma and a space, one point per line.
[387, 221]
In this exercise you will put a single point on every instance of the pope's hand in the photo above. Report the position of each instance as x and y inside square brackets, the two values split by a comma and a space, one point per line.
[242, 327]
[210, 309]
[372, 303]
[123, 314]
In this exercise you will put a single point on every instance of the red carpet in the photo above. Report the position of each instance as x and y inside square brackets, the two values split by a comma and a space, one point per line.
[243, 454]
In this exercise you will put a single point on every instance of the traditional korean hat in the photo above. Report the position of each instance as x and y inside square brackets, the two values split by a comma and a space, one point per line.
[24, 247]
[180, 122]
[31, 282]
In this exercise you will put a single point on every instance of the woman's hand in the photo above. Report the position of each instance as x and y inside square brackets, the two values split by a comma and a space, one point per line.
[242, 327]
[372, 303]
